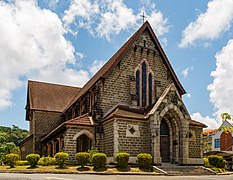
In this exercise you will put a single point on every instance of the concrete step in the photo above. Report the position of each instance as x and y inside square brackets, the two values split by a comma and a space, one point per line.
[173, 169]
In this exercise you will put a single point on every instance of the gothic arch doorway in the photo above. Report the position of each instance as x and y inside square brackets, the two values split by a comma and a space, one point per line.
[83, 143]
[164, 141]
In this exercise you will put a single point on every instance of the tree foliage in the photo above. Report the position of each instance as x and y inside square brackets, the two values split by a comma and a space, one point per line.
[10, 137]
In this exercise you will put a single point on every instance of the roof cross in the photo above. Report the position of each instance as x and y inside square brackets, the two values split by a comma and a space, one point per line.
[143, 17]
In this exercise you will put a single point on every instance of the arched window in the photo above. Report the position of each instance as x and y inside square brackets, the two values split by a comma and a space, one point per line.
[138, 86]
[150, 88]
[144, 84]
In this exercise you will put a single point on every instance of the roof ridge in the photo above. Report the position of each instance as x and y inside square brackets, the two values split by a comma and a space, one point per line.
[55, 84]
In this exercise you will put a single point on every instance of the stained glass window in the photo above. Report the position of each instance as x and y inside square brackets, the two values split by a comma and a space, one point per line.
[144, 79]
[150, 88]
[138, 86]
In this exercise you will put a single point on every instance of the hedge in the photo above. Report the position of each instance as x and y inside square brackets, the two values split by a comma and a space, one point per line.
[122, 159]
[61, 158]
[33, 159]
[11, 159]
[144, 160]
[82, 158]
[99, 160]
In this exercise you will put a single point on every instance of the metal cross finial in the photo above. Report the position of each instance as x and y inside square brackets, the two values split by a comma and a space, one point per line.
[143, 17]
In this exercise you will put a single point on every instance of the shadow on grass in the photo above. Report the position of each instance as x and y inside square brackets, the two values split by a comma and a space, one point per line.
[32, 167]
[100, 169]
[83, 169]
[150, 169]
[126, 169]
[61, 168]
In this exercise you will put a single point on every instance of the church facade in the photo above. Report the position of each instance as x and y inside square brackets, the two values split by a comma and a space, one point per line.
[132, 104]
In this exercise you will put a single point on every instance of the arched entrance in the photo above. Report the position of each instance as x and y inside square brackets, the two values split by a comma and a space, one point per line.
[83, 143]
[164, 141]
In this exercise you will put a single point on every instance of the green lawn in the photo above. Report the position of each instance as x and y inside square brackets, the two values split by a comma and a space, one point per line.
[68, 169]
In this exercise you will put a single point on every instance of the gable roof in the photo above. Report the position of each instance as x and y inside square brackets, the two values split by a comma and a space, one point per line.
[196, 123]
[164, 94]
[114, 60]
[126, 111]
[50, 97]
[83, 120]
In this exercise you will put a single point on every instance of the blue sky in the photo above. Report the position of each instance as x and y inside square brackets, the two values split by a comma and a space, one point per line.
[66, 42]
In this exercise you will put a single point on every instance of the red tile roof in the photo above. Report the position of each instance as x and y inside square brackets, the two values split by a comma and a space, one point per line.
[50, 97]
[83, 120]
[196, 123]
[126, 111]
[210, 131]
[114, 60]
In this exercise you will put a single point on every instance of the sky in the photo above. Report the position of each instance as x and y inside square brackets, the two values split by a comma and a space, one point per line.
[67, 41]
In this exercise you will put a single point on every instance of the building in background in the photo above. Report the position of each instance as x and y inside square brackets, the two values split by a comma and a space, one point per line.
[222, 140]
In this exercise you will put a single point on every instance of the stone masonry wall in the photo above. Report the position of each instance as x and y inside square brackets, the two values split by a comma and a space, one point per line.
[26, 148]
[45, 122]
[108, 145]
[70, 144]
[116, 87]
[134, 145]
[195, 143]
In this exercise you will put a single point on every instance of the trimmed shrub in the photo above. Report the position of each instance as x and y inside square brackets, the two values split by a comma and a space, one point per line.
[47, 161]
[61, 158]
[82, 158]
[11, 159]
[206, 162]
[144, 160]
[221, 163]
[92, 151]
[99, 160]
[22, 163]
[33, 159]
[122, 159]
[214, 159]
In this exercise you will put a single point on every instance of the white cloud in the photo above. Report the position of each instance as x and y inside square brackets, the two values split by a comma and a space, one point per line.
[186, 71]
[158, 22]
[210, 122]
[96, 65]
[33, 46]
[210, 24]
[117, 17]
[84, 10]
[221, 89]
[106, 18]
[188, 95]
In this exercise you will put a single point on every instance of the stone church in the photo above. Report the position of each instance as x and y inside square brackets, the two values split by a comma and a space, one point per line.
[132, 104]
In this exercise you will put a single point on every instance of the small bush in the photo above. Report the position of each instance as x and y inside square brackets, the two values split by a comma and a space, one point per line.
[99, 160]
[11, 159]
[61, 158]
[22, 163]
[206, 162]
[221, 163]
[92, 151]
[82, 158]
[47, 161]
[213, 160]
[144, 160]
[33, 159]
[122, 159]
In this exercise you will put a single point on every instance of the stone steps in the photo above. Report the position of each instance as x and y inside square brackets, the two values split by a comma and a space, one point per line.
[175, 170]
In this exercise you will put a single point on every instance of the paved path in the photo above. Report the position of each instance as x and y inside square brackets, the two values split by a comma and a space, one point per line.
[14, 176]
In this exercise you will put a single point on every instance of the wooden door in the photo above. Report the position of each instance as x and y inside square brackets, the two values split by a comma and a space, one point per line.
[164, 142]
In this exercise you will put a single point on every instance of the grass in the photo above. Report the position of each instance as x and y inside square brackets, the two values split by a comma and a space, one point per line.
[69, 169]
